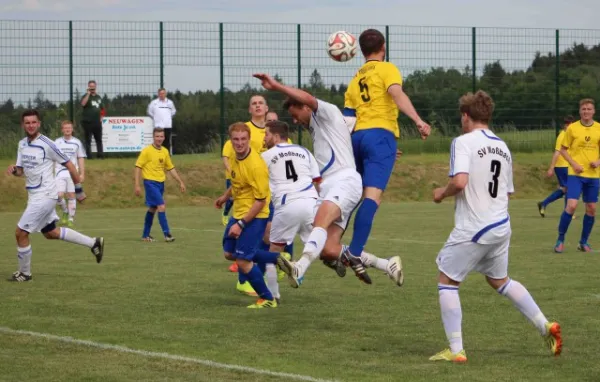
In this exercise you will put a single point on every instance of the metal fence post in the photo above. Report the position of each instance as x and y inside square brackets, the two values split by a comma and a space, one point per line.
[299, 50]
[162, 56]
[222, 80]
[71, 101]
[474, 57]
[558, 123]
[387, 42]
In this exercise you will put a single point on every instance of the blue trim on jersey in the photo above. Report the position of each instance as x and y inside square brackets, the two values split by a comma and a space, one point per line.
[348, 112]
[284, 197]
[39, 147]
[328, 165]
[52, 145]
[487, 228]
[35, 187]
[490, 137]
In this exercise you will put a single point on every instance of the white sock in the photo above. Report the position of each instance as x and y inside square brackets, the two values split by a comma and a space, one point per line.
[72, 206]
[75, 237]
[373, 261]
[522, 300]
[312, 249]
[63, 205]
[24, 256]
[451, 315]
[272, 283]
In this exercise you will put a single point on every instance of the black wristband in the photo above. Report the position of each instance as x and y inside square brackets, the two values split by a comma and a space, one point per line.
[241, 223]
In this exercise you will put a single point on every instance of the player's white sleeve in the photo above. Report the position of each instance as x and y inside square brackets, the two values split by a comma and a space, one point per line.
[314, 167]
[81, 152]
[325, 111]
[173, 110]
[55, 154]
[350, 122]
[460, 158]
[511, 186]
[19, 158]
[150, 110]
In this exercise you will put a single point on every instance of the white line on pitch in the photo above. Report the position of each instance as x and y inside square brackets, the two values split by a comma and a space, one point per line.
[150, 354]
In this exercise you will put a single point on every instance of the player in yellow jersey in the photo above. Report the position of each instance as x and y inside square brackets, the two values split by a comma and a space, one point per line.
[374, 97]
[251, 197]
[151, 164]
[581, 149]
[559, 167]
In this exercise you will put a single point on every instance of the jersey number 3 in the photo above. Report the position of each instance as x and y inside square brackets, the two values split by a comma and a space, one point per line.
[290, 171]
[364, 90]
[495, 168]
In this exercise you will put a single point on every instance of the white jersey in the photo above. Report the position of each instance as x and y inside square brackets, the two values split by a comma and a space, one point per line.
[292, 170]
[73, 149]
[38, 159]
[332, 144]
[481, 213]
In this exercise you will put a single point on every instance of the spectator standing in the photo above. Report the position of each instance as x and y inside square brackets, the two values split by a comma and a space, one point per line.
[91, 119]
[162, 110]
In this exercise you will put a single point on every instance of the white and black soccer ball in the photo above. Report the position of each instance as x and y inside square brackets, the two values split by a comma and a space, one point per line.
[341, 46]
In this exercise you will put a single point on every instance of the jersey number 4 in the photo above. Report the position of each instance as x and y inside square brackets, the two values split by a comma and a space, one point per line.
[495, 168]
[290, 171]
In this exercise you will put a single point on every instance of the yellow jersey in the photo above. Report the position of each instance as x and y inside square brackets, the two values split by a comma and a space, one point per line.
[154, 162]
[583, 144]
[561, 161]
[257, 143]
[249, 182]
[368, 99]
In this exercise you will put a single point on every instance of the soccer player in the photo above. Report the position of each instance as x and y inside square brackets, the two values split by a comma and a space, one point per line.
[251, 195]
[580, 148]
[293, 170]
[340, 188]
[559, 167]
[74, 150]
[374, 97]
[481, 179]
[151, 164]
[271, 116]
[36, 159]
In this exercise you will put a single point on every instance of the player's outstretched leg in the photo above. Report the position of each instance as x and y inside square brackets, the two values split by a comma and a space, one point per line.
[523, 301]
[268, 260]
[363, 223]
[148, 220]
[95, 244]
[256, 278]
[556, 195]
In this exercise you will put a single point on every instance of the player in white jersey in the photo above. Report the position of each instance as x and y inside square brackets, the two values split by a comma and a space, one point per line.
[36, 159]
[340, 188]
[74, 150]
[481, 178]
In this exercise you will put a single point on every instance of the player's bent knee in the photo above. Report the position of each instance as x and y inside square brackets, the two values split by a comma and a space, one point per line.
[244, 265]
[446, 280]
[51, 231]
[373, 193]
[590, 209]
[327, 213]
[161, 208]
[496, 283]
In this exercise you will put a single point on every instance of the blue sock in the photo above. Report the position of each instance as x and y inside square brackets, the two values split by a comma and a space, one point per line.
[563, 225]
[265, 257]
[148, 223]
[242, 277]
[262, 267]
[264, 246]
[228, 205]
[362, 226]
[557, 194]
[162, 219]
[290, 249]
[588, 224]
[257, 280]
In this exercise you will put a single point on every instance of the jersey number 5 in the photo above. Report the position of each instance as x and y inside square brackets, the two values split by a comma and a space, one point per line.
[495, 168]
[364, 90]
[290, 171]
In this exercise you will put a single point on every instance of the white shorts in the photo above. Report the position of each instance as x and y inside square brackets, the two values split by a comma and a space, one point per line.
[38, 214]
[458, 260]
[345, 190]
[65, 184]
[293, 218]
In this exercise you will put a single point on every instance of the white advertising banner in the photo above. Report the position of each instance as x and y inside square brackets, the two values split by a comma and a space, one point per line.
[125, 134]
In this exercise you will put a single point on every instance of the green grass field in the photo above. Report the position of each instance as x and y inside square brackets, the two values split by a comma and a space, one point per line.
[179, 299]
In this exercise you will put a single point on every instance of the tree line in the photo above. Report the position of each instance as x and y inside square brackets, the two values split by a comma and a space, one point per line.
[525, 99]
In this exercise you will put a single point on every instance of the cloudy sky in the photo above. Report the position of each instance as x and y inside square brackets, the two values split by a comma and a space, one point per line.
[123, 56]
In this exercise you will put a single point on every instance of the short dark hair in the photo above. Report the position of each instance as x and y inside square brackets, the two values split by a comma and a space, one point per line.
[92, 82]
[280, 128]
[30, 113]
[158, 130]
[569, 119]
[479, 106]
[371, 41]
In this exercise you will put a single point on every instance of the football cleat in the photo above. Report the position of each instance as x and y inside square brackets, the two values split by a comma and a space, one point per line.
[337, 266]
[585, 247]
[357, 266]
[262, 303]
[553, 338]
[559, 247]
[149, 239]
[224, 219]
[246, 289]
[290, 270]
[20, 277]
[541, 209]
[233, 267]
[70, 223]
[280, 273]
[98, 249]
[394, 270]
[447, 355]
[64, 219]
[169, 238]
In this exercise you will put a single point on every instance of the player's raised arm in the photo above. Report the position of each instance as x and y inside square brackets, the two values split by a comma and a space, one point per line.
[297, 94]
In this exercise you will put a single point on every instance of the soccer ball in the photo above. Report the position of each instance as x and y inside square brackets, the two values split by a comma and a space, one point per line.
[341, 46]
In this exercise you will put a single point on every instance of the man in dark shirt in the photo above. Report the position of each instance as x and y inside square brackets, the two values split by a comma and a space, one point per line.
[91, 119]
